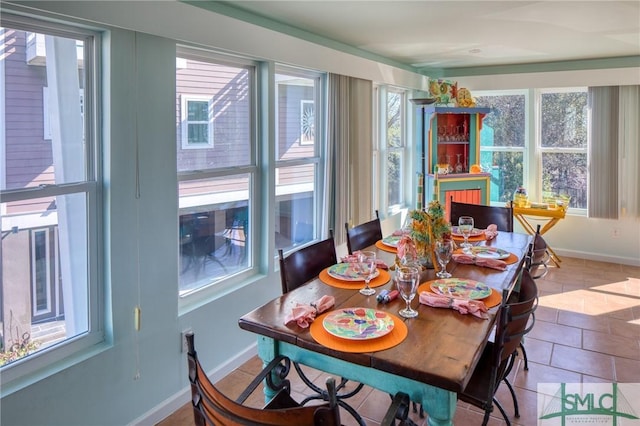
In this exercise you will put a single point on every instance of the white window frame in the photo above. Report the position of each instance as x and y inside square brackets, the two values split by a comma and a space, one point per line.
[217, 288]
[529, 167]
[319, 158]
[184, 121]
[540, 150]
[47, 362]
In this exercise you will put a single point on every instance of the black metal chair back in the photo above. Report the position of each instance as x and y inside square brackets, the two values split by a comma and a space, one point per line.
[483, 216]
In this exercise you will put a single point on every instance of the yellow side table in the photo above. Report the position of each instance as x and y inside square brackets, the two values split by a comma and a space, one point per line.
[550, 216]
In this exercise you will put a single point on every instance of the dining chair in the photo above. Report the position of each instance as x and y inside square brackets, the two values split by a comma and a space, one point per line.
[306, 263]
[539, 266]
[296, 269]
[483, 216]
[363, 235]
[498, 358]
[213, 407]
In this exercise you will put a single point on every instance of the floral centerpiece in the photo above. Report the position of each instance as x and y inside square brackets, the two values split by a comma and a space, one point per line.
[426, 227]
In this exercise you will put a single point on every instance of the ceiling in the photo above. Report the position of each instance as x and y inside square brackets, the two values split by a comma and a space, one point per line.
[452, 34]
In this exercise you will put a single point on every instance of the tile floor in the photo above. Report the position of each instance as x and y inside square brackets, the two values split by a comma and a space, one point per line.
[587, 330]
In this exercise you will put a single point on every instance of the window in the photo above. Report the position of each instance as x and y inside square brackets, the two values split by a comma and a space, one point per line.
[196, 122]
[216, 190]
[299, 153]
[556, 163]
[50, 195]
[396, 146]
[502, 142]
[391, 156]
[563, 144]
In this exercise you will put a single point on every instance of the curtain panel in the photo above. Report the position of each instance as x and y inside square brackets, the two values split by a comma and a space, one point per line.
[603, 152]
[629, 151]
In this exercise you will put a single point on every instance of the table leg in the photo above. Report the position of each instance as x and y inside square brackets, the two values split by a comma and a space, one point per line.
[439, 403]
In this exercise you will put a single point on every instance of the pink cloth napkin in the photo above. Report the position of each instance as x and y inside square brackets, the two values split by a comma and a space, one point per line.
[480, 261]
[304, 314]
[407, 248]
[352, 258]
[476, 308]
[491, 232]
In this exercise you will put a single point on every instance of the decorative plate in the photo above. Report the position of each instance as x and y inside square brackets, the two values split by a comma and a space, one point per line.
[475, 232]
[391, 240]
[347, 272]
[461, 288]
[490, 252]
[358, 323]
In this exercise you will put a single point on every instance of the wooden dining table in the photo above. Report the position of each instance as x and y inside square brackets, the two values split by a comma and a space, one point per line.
[432, 364]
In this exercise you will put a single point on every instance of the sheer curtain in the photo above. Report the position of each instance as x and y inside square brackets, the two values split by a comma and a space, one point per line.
[629, 150]
[603, 152]
[350, 151]
[614, 154]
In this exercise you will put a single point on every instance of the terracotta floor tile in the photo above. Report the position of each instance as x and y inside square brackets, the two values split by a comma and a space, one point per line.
[627, 370]
[583, 361]
[539, 373]
[556, 333]
[612, 345]
[630, 329]
[590, 322]
[546, 313]
[538, 351]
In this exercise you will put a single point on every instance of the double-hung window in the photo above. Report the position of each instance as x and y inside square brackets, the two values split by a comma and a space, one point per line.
[391, 151]
[50, 192]
[503, 141]
[299, 149]
[216, 166]
[563, 134]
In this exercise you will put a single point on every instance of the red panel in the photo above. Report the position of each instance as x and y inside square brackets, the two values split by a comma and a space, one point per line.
[470, 196]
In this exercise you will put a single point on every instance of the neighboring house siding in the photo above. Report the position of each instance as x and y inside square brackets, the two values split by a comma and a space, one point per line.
[28, 155]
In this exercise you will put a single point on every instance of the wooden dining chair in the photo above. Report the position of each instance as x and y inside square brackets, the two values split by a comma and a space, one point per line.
[363, 235]
[296, 269]
[498, 358]
[212, 407]
[539, 266]
[306, 263]
[483, 216]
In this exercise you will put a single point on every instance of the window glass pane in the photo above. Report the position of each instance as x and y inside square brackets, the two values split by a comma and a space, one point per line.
[295, 205]
[506, 170]
[44, 279]
[566, 174]
[505, 125]
[40, 136]
[296, 117]
[214, 221]
[394, 177]
[222, 107]
[564, 120]
[395, 138]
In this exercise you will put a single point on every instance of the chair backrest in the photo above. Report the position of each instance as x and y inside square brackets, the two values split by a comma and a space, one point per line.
[306, 263]
[513, 323]
[212, 407]
[539, 253]
[363, 235]
[483, 216]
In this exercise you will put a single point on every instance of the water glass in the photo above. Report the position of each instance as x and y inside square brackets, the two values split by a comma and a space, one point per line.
[407, 279]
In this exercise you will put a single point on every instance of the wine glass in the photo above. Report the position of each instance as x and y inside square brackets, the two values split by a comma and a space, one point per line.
[465, 226]
[407, 278]
[367, 265]
[444, 250]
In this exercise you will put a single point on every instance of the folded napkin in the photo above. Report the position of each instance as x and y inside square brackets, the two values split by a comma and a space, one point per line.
[491, 232]
[480, 261]
[399, 232]
[353, 258]
[476, 308]
[304, 314]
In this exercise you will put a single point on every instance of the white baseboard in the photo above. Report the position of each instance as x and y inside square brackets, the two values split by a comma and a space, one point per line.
[598, 257]
[170, 405]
